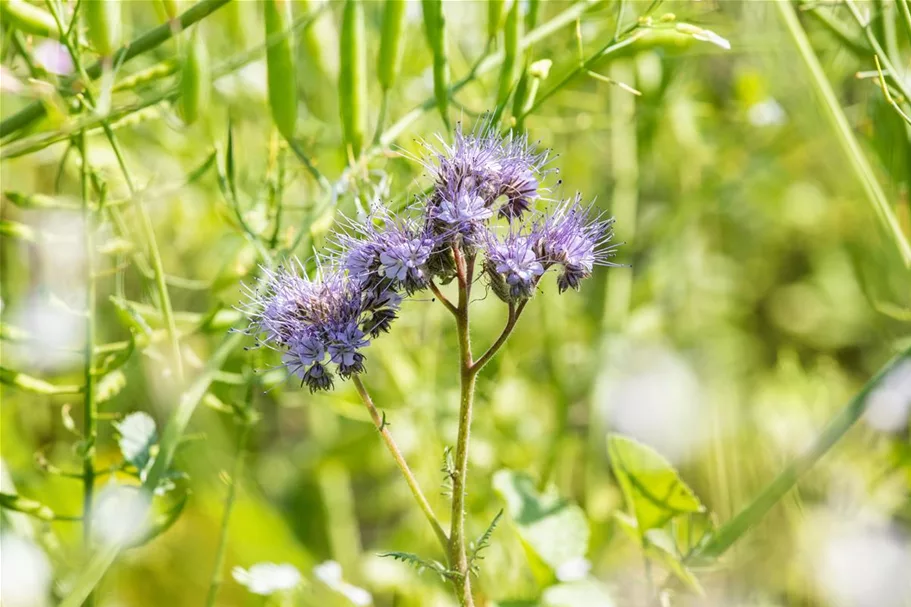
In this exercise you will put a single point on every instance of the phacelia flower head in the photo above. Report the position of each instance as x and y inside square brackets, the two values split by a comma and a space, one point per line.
[573, 237]
[485, 169]
[513, 264]
[385, 252]
[320, 322]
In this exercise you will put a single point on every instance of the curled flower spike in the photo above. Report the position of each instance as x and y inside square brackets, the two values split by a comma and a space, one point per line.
[486, 165]
[323, 325]
[573, 237]
[311, 321]
[393, 255]
[513, 265]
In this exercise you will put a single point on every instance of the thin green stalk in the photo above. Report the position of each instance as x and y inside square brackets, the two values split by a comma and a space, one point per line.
[145, 221]
[839, 123]
[236, 470]
[104, 557]
[458, 555]
[141, 45]
[383, 428]
[734, 529]
[89, 409]
[584, 66]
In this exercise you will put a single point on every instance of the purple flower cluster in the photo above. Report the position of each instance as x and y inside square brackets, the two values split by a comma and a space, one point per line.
[481, 205]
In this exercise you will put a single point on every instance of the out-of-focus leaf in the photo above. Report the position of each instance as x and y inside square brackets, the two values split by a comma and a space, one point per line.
[584, 593]
[11, 501]
[34, 384]
[163, 519]
[653, 490]
[137, 435]
[117, 358]
[110, 386]
[130, 315]
[553, 530]
[659, 546]
[39, 201]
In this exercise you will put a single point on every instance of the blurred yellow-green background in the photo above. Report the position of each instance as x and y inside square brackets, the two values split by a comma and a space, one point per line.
[760, 291]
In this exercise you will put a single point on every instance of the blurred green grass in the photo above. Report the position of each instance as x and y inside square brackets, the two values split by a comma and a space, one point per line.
[757, 281]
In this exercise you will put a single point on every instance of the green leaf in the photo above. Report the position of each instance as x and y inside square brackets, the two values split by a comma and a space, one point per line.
[653, 490]
[11, 501]
[553, 530]
[131, 317]
[115, 359]
[421, 564]
[137, 435]
[659, 547]
[163, 519]
[34, 384]
[584, 593]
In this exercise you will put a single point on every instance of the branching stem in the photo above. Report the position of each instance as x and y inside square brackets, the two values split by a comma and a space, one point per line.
[383, 428]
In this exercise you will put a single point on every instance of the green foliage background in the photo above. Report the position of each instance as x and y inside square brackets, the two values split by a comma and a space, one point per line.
[756, 267]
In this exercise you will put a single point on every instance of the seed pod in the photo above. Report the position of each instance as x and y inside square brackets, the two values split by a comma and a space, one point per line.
[147, 76]
[103, 25]
[318, 61]
[352, 76]
[28, 18]
[389, 61]
[511, 35]
[494, 17]
[435, 28]
[196, 79]
[280, 66]
[531, 14]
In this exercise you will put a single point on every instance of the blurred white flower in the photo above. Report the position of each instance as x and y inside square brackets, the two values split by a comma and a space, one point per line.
[53, 57]
[889, 404]
[54, 336]
[863, 566]
[25, 573]
[330, 573]
[267, 578]
[8, 81]
[767, 112]
[121, 514]
[651, 393]
[574, 569]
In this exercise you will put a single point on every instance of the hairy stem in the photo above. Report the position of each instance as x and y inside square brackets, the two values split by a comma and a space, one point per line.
[458, 555]
[381, 425]
[89, 411]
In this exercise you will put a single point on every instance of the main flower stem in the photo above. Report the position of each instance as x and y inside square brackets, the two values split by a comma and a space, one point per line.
[458, 554]
[383, 429]
[90, 412]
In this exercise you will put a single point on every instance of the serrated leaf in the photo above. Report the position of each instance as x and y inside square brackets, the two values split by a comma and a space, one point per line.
[420, 564]
[553, 530]
[110, 386]
[137, 435]
[652, 488]
[584, 593]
